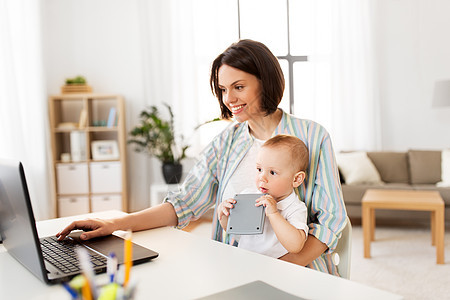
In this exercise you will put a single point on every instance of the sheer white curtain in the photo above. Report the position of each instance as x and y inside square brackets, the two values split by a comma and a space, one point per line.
[355, 84]
[23, 112]
[180, 39]
[338, 87]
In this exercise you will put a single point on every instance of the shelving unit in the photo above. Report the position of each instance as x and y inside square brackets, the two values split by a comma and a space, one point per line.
[88, 153]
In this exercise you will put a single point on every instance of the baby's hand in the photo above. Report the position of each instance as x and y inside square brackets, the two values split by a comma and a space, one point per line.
[269, 203]
[224, 208]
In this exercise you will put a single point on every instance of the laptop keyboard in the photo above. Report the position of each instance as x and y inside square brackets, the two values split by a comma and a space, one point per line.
[62, 254]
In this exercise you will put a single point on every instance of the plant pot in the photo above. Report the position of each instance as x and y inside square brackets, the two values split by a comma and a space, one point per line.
[172, 172]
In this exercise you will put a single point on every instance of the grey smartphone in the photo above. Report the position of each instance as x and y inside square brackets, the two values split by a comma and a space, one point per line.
[245, 217]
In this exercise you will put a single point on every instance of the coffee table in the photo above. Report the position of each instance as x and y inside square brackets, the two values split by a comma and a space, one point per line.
[404, 200]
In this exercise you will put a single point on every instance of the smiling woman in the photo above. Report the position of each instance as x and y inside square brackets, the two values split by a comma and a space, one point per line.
[22, 99]
[228, 163]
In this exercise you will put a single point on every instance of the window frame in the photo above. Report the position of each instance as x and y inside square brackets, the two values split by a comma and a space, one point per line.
[291, 59]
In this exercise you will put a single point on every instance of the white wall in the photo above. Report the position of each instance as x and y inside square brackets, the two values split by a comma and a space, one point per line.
[101, 40]
[413, 51]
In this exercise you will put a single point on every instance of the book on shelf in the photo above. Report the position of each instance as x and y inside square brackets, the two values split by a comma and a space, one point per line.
[83, 119]
[78, 145]
[112, 117]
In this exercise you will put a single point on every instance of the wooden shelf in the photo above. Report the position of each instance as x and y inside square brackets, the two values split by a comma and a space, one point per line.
[78, 178]
[102, 128]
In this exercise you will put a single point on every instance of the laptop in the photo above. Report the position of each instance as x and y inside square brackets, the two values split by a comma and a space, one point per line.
[20, 238]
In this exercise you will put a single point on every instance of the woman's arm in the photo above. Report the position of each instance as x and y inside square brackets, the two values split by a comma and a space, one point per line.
[312, 249]
[321, 193]
[158, 216]
[153, 217]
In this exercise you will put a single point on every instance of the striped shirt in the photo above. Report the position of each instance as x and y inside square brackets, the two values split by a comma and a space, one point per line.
[204, 185]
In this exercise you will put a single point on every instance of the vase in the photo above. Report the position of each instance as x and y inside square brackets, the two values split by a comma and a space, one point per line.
[172, 172]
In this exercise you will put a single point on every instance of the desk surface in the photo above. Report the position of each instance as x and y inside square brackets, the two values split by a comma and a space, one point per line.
[190, 267]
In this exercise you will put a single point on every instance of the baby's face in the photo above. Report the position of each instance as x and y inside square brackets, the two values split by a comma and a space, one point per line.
[275, 172]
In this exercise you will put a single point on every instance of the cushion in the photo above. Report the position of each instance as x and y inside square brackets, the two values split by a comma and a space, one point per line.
[443, 191]
[425, 166]
[357, 168]
[392, 166]
[445, 168]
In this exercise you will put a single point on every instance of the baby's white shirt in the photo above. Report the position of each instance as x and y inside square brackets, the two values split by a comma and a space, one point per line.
[245, 174]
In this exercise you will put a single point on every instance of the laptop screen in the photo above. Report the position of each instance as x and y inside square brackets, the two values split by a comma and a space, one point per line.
[17, 223]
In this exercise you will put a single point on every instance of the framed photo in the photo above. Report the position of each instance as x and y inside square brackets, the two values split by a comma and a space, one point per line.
[104, 150]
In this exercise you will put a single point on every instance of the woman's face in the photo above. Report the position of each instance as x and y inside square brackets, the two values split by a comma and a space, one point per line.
[240, 93]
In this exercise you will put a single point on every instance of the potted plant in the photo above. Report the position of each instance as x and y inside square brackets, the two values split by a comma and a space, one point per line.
[156, 137]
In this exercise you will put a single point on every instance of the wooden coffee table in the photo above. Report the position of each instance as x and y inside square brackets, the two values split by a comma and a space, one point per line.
[404, 200]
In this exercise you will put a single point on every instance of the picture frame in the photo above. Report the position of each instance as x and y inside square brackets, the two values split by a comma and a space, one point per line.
[105, 150]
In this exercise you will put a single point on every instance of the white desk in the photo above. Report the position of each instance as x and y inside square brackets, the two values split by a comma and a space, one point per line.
[188, 267]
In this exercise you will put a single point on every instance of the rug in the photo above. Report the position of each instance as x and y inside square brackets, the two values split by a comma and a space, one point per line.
[403, 262]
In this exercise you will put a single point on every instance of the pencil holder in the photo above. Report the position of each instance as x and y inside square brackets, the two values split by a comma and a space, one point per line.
[80, 288]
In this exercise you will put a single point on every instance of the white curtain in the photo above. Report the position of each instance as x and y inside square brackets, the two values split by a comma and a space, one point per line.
[180, 39]
[337, 87]
[341, 90]
[23, 113]
[355, 84]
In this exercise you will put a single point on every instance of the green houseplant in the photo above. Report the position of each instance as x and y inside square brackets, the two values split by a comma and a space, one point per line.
[156, 137]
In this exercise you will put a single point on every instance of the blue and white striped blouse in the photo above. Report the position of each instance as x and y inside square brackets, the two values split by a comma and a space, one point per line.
[322, 194]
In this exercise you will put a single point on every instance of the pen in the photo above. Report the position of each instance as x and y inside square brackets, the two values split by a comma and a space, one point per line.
[127, 259]
[71, 291]
[130, 289]
[111, 266]
[88, 272]
[86, 291]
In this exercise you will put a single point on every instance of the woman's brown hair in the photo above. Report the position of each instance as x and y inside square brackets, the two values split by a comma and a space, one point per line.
[254, 58]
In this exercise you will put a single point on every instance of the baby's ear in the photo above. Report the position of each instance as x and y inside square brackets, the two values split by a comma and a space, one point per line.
[298, 179]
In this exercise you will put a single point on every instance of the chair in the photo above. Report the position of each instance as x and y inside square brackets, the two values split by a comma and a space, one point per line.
[343, 253]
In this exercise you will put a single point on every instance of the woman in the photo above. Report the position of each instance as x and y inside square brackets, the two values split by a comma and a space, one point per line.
[249, 84]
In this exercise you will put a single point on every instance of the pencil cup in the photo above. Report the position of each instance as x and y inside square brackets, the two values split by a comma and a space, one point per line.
[79, 288]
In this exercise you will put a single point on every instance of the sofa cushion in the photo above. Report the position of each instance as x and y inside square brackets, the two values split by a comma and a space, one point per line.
[444, 191]
[445, 168]
[392, 166]
[425, 166]
[357, 168]
[353, 194]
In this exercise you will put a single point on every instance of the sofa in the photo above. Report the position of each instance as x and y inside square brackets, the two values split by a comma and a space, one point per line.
[409, 170]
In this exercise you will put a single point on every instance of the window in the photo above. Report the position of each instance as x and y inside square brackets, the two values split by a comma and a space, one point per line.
[324, 48]
[284, 27]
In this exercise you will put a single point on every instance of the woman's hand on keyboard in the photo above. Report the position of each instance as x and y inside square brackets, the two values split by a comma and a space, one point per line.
[92, 227]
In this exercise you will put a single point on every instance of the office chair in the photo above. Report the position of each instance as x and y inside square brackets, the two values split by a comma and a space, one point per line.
[343, 253]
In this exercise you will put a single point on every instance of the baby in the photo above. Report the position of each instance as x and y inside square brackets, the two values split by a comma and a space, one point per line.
[281, 167]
